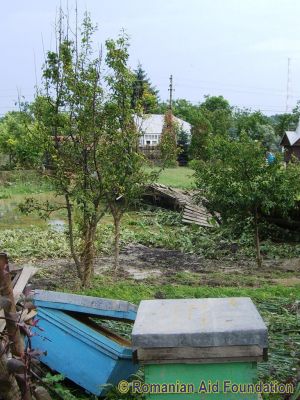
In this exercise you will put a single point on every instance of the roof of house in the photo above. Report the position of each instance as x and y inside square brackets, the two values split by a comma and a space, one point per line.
[292, 136]
[153, 123]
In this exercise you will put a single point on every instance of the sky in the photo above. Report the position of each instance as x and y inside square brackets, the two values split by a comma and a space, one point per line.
[235, 48]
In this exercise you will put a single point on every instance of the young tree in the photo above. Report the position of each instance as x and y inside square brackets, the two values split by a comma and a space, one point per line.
[86, 121]
[69, 118]
[242, 186]
[201, 129]
[72, 114]
[122, 165]
[144, 95]
[168, 144]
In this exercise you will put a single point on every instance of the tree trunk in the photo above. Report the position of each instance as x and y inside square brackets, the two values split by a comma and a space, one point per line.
[9, 389]
[257, 241]
[71, 239]
[87, 256]
[117, 223]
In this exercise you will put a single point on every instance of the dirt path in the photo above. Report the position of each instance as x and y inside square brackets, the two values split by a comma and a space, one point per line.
[138, 262]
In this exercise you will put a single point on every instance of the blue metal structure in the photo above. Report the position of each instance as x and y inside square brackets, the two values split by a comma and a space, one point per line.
[76, 347]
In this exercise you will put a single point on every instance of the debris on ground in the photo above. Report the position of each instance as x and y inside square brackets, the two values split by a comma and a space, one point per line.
[179, 200]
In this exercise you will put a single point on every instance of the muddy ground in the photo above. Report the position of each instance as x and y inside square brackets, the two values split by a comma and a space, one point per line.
[161, 266]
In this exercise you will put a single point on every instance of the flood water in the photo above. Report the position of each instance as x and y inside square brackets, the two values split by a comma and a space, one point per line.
[11, 217]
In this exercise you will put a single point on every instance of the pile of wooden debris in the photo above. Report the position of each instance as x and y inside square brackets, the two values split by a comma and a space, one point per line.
[179, 200]
[17, 315]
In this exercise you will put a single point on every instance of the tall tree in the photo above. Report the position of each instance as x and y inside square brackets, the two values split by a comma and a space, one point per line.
[86, 127]
[168, 143]
[144, 94]
[69, 118]
[249, 122]
[219, 113]
[201, 129]
[86, 122]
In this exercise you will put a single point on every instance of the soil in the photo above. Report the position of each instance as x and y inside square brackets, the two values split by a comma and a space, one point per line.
[161, 266]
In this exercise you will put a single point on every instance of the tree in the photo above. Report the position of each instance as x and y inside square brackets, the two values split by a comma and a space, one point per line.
[181, 108]
[219, 113]
[144, 94]
[86, 123]
[201, 129]
[239, 183]
[122, 165]
[284, 122]
[249, 122]
[18, 140]
[69, 117]
[257, 126]
[168, 144]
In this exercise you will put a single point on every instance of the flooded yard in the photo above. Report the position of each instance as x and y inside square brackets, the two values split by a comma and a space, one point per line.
[11, 217]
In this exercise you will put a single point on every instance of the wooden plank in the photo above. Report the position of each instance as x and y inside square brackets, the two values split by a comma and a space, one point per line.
[26, 274]
[175, 353]
[2, 321]
[29, 315]
[197, 210]
[204, 360]
[190, 218]
[196, 223]
[195, 216]
[17, 276]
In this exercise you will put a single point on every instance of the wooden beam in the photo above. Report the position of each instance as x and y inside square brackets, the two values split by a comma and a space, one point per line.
[198, 353]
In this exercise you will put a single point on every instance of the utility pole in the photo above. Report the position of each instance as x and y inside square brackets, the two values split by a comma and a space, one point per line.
[288, 86]
[171, 90]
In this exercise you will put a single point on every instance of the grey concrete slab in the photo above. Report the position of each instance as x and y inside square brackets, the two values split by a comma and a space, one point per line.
[198, 323]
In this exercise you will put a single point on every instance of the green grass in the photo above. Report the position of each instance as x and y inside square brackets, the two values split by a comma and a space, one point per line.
[277, 305]
[180, 177]
[133, 291]
[22, 183]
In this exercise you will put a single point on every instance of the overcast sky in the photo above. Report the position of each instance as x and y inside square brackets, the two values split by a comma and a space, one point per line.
[235, 48]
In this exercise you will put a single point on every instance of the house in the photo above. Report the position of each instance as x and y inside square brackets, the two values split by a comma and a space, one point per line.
[151, 126]
[290, 143]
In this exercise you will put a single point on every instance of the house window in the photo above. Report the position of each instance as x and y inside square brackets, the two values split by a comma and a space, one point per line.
[148, 142]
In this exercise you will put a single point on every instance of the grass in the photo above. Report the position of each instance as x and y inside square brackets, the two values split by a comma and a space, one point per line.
[22, 183]
[180, 177]
[277, 305]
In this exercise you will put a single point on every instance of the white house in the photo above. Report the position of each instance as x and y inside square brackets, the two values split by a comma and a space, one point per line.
[151, 126]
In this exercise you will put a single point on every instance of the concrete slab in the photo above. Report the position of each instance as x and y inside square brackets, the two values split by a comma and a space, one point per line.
[198, 323]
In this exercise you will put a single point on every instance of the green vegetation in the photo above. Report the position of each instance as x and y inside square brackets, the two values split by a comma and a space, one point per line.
[81, 128]
[278, 306]
[20, 182]
[179, 177]
[243, 187]
[163, 229]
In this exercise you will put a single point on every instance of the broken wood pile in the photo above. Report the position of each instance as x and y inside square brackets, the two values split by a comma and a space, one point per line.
[20, 277]
[179, 200]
